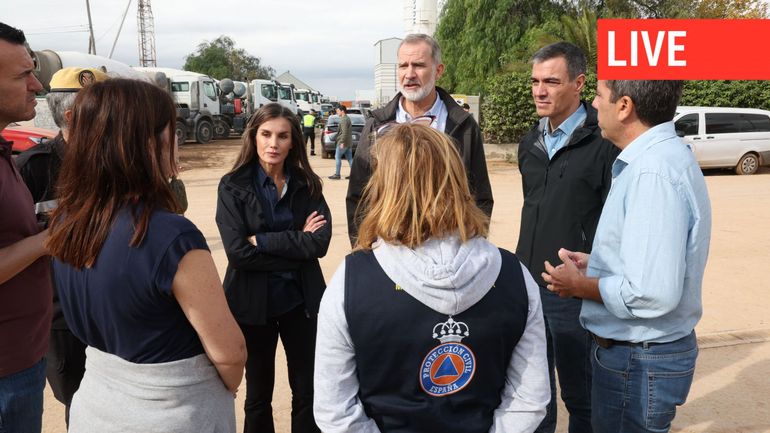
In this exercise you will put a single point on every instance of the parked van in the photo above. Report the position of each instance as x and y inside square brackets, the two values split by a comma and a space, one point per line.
[737, 138]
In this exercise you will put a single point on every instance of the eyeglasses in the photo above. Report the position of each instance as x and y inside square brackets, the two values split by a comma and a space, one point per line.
[426, 120]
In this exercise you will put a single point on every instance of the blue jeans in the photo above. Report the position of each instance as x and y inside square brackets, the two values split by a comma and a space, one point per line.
[338, 157]
[637, 388]
[21, 400]
[569, 351]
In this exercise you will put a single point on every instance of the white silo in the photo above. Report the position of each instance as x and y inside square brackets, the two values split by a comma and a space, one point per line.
[420, 16]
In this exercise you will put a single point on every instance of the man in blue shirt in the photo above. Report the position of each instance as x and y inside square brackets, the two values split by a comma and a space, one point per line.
[641, 285]
[566, 172]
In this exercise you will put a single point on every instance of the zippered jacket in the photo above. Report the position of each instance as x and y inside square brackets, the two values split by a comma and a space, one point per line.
[240, 215]
[563, 196]
[460, 126]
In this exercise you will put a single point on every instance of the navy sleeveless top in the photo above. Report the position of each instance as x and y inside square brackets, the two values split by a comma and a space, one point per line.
[123, 305]
[423, 371]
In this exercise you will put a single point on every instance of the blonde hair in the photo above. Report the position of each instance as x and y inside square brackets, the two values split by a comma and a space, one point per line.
[418, 190]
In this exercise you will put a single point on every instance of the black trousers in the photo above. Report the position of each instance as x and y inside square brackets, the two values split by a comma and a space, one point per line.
[66, 366]
[309, 136]
[297, 333]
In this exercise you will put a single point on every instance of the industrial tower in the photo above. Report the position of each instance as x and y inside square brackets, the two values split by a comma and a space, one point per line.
[146, 25]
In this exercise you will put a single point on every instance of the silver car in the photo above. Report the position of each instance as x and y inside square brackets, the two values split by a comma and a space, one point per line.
[330, 133]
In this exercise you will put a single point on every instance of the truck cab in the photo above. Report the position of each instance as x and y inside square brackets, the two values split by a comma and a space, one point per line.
[286, 97]
[304, 99]
[262, 92]
[197, 101]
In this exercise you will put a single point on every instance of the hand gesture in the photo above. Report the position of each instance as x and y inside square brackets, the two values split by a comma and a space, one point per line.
[563, 279]
[314, 222]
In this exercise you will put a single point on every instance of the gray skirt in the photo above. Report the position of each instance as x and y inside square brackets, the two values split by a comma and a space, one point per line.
[181, 396]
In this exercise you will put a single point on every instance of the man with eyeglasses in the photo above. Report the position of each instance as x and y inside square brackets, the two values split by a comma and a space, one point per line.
[565, 166]
[420, 100]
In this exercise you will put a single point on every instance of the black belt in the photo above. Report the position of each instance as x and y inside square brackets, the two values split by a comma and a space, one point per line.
[606, 343]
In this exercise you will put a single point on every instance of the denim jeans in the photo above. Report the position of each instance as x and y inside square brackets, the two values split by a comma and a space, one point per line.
[569, 351]
[637, 388]
[338, 157]
[21, 400]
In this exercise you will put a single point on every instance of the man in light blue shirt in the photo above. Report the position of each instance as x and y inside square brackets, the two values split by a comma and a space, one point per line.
[641, 285]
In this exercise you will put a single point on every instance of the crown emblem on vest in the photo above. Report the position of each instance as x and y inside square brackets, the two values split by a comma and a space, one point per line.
[450, 331]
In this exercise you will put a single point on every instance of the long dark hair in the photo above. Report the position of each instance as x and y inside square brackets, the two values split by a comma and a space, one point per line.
[120, 153]
[297, 157]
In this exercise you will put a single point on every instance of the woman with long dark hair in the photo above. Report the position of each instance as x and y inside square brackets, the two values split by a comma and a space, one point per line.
[275, 225]
[136, 282]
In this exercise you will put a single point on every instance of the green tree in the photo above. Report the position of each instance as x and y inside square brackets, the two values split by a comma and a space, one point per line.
[581, 31]
[475, 36]
[220, 59]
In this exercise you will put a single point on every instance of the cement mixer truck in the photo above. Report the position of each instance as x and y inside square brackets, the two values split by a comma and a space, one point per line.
[203, 111]
[47, 62]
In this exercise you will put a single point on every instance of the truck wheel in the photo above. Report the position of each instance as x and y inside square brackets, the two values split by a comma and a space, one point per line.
[203, 132]
[221, 129]
[748, 164]
[181, 132]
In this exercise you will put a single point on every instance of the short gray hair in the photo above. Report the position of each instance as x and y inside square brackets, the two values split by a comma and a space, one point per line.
[574, 56]
[655, 101]
[416, 38]
[59, 103]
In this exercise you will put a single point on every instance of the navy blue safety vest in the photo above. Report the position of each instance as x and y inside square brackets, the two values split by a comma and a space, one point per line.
[423, 371]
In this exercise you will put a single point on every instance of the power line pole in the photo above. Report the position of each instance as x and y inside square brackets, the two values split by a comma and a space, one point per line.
[146, 24]
[91, 40]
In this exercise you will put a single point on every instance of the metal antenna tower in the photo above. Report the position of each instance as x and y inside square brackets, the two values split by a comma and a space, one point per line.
[146, 24]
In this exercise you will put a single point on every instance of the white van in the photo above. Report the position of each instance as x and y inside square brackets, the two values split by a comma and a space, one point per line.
[737, 138]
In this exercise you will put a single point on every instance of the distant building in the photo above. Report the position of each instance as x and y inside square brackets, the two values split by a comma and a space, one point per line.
[287, 77]
[385, 79]
[365, 97]
[421, 16]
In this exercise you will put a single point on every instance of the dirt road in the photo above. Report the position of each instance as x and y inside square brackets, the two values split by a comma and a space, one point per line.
[731, 388]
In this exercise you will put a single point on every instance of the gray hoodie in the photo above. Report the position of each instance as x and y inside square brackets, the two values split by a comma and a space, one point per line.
[449, 277]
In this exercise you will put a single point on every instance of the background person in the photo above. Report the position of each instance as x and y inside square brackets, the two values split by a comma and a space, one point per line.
[565, 167]
[136, 282]
[39, 167]
[641, 285]
[427, 297]
[275, 225]
[343, 142]
[25, 281]
[419, 67]
[308, 129]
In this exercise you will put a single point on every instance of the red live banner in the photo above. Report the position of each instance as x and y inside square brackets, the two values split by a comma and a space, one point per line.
[662, 49]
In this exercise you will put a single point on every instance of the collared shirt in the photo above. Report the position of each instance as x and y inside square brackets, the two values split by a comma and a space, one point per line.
[559, 137]
[438, 110]
[284, 292]
[651, 244]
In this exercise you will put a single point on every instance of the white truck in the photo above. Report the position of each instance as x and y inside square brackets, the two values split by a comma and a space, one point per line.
[199, 114]
[261, 92]
[286, 97]
[304, 99]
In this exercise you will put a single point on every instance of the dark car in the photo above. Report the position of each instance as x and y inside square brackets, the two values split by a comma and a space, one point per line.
[24, 137]
[330, 133]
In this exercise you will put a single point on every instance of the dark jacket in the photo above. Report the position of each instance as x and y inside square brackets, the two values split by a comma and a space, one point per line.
[563, 196]
[460, 125]
[239, 215]
[39, 167]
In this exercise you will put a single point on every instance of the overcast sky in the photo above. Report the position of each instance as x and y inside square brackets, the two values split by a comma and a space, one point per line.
[327, 44]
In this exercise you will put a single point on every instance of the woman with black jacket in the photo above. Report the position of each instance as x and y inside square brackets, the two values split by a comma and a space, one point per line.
[275, 225]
